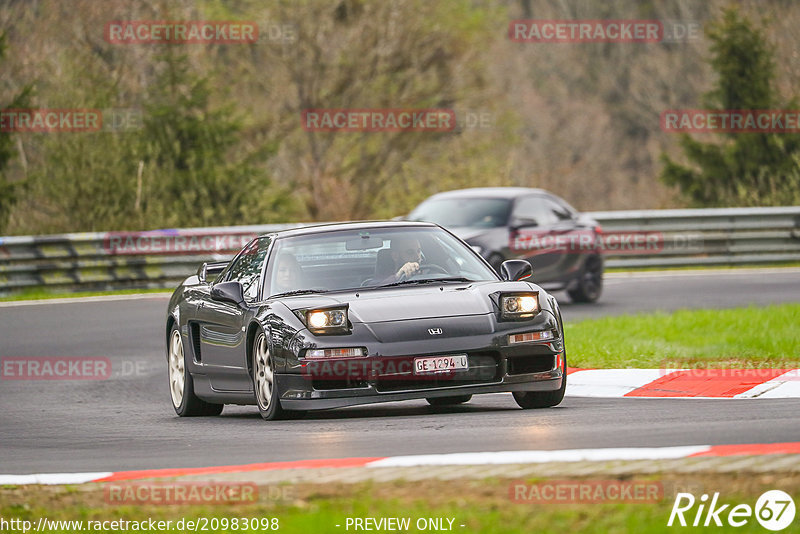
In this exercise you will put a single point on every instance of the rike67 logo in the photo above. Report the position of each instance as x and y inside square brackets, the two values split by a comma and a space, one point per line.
[774, 510]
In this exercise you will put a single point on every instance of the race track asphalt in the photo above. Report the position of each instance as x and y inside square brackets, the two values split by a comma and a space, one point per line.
[127, 422]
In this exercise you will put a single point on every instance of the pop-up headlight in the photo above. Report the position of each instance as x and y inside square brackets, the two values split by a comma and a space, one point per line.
[327, 321]
[519, 305]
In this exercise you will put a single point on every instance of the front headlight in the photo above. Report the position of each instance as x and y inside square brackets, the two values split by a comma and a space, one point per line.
[519, 305]
[328, 320]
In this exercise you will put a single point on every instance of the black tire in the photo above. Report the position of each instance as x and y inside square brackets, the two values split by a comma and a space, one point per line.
[448, 401]
[590, 281]
[544, 399]
[265, 381]
[181, 385]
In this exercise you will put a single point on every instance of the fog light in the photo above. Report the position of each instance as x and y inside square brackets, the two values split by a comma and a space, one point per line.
[529, 337]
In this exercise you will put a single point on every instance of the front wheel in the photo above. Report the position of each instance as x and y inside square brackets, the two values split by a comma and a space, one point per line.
[590, 282]
[543, 399]
[181, 385]
[265, 382]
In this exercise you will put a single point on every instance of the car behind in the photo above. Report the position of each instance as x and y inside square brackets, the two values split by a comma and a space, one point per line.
[502, 223]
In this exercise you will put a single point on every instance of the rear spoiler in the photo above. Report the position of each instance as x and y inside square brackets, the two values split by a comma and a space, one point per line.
[210, 268]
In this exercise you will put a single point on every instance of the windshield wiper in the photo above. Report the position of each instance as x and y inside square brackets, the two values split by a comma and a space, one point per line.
[298, 292]
[428, 281]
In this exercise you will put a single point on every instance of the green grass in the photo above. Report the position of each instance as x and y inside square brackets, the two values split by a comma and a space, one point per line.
[44, 293]
[479, 505]
[741, 337]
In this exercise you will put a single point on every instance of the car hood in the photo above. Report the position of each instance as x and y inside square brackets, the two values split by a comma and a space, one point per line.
[413, 302]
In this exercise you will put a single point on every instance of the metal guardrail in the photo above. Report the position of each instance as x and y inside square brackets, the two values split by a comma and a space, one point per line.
[110, 260]
[708, 237]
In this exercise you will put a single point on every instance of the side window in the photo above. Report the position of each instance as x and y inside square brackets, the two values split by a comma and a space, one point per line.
[534, 209]
[247, 267]
[561, 213]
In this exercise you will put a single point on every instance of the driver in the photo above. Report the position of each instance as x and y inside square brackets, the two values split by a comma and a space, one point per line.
[288, 274]
[406, 256]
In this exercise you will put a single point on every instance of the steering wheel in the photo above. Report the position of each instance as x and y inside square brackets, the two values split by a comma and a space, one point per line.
[428, 267]
[432, 267]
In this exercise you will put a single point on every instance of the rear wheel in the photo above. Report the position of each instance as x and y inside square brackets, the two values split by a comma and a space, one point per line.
[590, 282]
[448, 401]
[181, 385]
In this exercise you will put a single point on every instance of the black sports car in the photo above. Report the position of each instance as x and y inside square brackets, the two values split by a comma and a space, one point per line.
[355, 313]
[503, 223]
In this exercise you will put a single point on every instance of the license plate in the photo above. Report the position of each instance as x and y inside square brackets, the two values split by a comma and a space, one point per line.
[436, 364]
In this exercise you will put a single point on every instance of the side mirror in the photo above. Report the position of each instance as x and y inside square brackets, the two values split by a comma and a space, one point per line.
[518, 223]
[228, 292]
[210, 269]
[513, 270]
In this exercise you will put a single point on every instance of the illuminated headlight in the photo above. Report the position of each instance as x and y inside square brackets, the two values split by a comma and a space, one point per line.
[334, 353]
[332, 320]
[529, 337]
[520, 306]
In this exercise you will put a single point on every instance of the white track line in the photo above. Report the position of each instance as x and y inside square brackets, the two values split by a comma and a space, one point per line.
[538, 457]
[611, 382]
[53, 478]
[79, 300]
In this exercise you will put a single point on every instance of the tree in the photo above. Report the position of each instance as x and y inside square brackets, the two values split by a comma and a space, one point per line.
[9, 190]
[744, 169]
[406, 54]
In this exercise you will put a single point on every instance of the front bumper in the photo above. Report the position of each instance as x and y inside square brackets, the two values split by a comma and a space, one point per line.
[492, 369]
[387, 373]
[296, 393]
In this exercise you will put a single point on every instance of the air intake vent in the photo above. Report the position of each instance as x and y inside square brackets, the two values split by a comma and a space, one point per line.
[194, 334]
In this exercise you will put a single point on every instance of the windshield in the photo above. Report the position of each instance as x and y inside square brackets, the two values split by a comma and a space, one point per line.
[460, 212]
[380, 257]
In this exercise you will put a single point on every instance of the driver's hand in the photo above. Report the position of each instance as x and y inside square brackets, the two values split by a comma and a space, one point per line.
[407, 270]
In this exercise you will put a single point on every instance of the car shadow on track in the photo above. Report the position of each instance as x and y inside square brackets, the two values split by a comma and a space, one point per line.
[389, 410]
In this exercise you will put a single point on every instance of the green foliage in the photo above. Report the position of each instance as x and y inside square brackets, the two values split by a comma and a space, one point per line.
[8, 190]
[743, 169]
[182, 166]
[188, 151]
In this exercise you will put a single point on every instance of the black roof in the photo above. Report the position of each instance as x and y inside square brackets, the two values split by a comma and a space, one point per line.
[491, 192]
[358, 225]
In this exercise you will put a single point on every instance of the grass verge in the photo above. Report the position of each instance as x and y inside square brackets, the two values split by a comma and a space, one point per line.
[478, 505]
[43, 293]
[740, 337]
